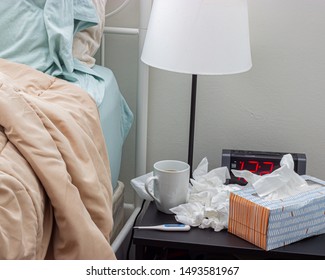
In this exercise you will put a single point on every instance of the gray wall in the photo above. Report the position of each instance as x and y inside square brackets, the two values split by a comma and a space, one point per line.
[276, 106]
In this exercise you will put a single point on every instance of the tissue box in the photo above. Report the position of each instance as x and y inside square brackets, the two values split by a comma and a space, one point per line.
[270, 224]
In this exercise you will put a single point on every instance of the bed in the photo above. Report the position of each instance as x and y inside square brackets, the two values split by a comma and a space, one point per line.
[116, 120]
[63, 125]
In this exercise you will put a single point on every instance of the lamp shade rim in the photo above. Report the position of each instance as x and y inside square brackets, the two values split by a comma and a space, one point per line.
[246, 68]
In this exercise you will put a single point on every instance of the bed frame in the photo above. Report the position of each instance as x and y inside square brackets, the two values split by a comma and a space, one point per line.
[132, 209]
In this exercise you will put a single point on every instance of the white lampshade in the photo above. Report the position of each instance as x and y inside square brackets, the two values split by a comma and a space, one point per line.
[204, 37]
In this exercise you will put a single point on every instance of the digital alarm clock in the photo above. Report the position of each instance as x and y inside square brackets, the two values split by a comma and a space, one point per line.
[258, 162]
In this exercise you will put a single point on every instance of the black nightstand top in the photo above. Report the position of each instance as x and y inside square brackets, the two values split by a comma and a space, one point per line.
[209, 241]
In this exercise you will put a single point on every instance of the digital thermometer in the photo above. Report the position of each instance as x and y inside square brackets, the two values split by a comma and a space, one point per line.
[167, 227]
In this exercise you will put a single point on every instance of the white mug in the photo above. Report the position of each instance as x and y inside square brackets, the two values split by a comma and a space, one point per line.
[170, 184]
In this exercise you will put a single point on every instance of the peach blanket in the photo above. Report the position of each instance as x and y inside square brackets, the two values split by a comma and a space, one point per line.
[55, 190]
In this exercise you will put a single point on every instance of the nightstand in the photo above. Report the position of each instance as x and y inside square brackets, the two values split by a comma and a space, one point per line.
[208, 244]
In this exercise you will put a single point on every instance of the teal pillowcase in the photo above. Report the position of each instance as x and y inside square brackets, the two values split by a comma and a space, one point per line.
[40, 33]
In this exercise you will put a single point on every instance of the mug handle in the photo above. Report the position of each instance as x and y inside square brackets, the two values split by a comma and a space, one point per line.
[146, 185]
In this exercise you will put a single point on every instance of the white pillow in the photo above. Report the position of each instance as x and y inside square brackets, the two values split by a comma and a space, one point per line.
[87, 42]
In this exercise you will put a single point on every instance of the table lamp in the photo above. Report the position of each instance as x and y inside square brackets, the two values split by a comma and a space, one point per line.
[198, 37]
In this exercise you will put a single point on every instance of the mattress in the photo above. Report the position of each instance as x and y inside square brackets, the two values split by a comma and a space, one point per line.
[116, 120]
[118, 210]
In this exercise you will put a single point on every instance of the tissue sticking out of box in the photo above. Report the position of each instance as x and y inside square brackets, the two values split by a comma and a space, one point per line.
[281, 183]
[208, 200]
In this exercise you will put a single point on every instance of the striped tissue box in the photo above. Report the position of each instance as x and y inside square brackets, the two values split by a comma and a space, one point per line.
[271, 224]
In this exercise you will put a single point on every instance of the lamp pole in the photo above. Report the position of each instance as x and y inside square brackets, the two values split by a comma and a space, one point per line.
[192, 123]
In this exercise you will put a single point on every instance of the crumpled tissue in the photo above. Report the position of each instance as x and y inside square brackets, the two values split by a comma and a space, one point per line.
[138, 186]
[281, 183]
[208, 201]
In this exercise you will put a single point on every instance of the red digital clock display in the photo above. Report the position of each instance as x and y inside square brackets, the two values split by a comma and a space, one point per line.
[258, 162]
[259, 167]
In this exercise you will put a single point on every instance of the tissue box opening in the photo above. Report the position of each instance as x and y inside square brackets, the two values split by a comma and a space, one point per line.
[272, 224]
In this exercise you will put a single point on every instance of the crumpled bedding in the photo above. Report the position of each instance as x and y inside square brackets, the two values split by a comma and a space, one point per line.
[41, 34]
[55, 190]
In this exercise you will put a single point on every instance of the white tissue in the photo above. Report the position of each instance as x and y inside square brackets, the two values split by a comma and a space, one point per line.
[208, 202]
[138, 186]
[281, 183]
